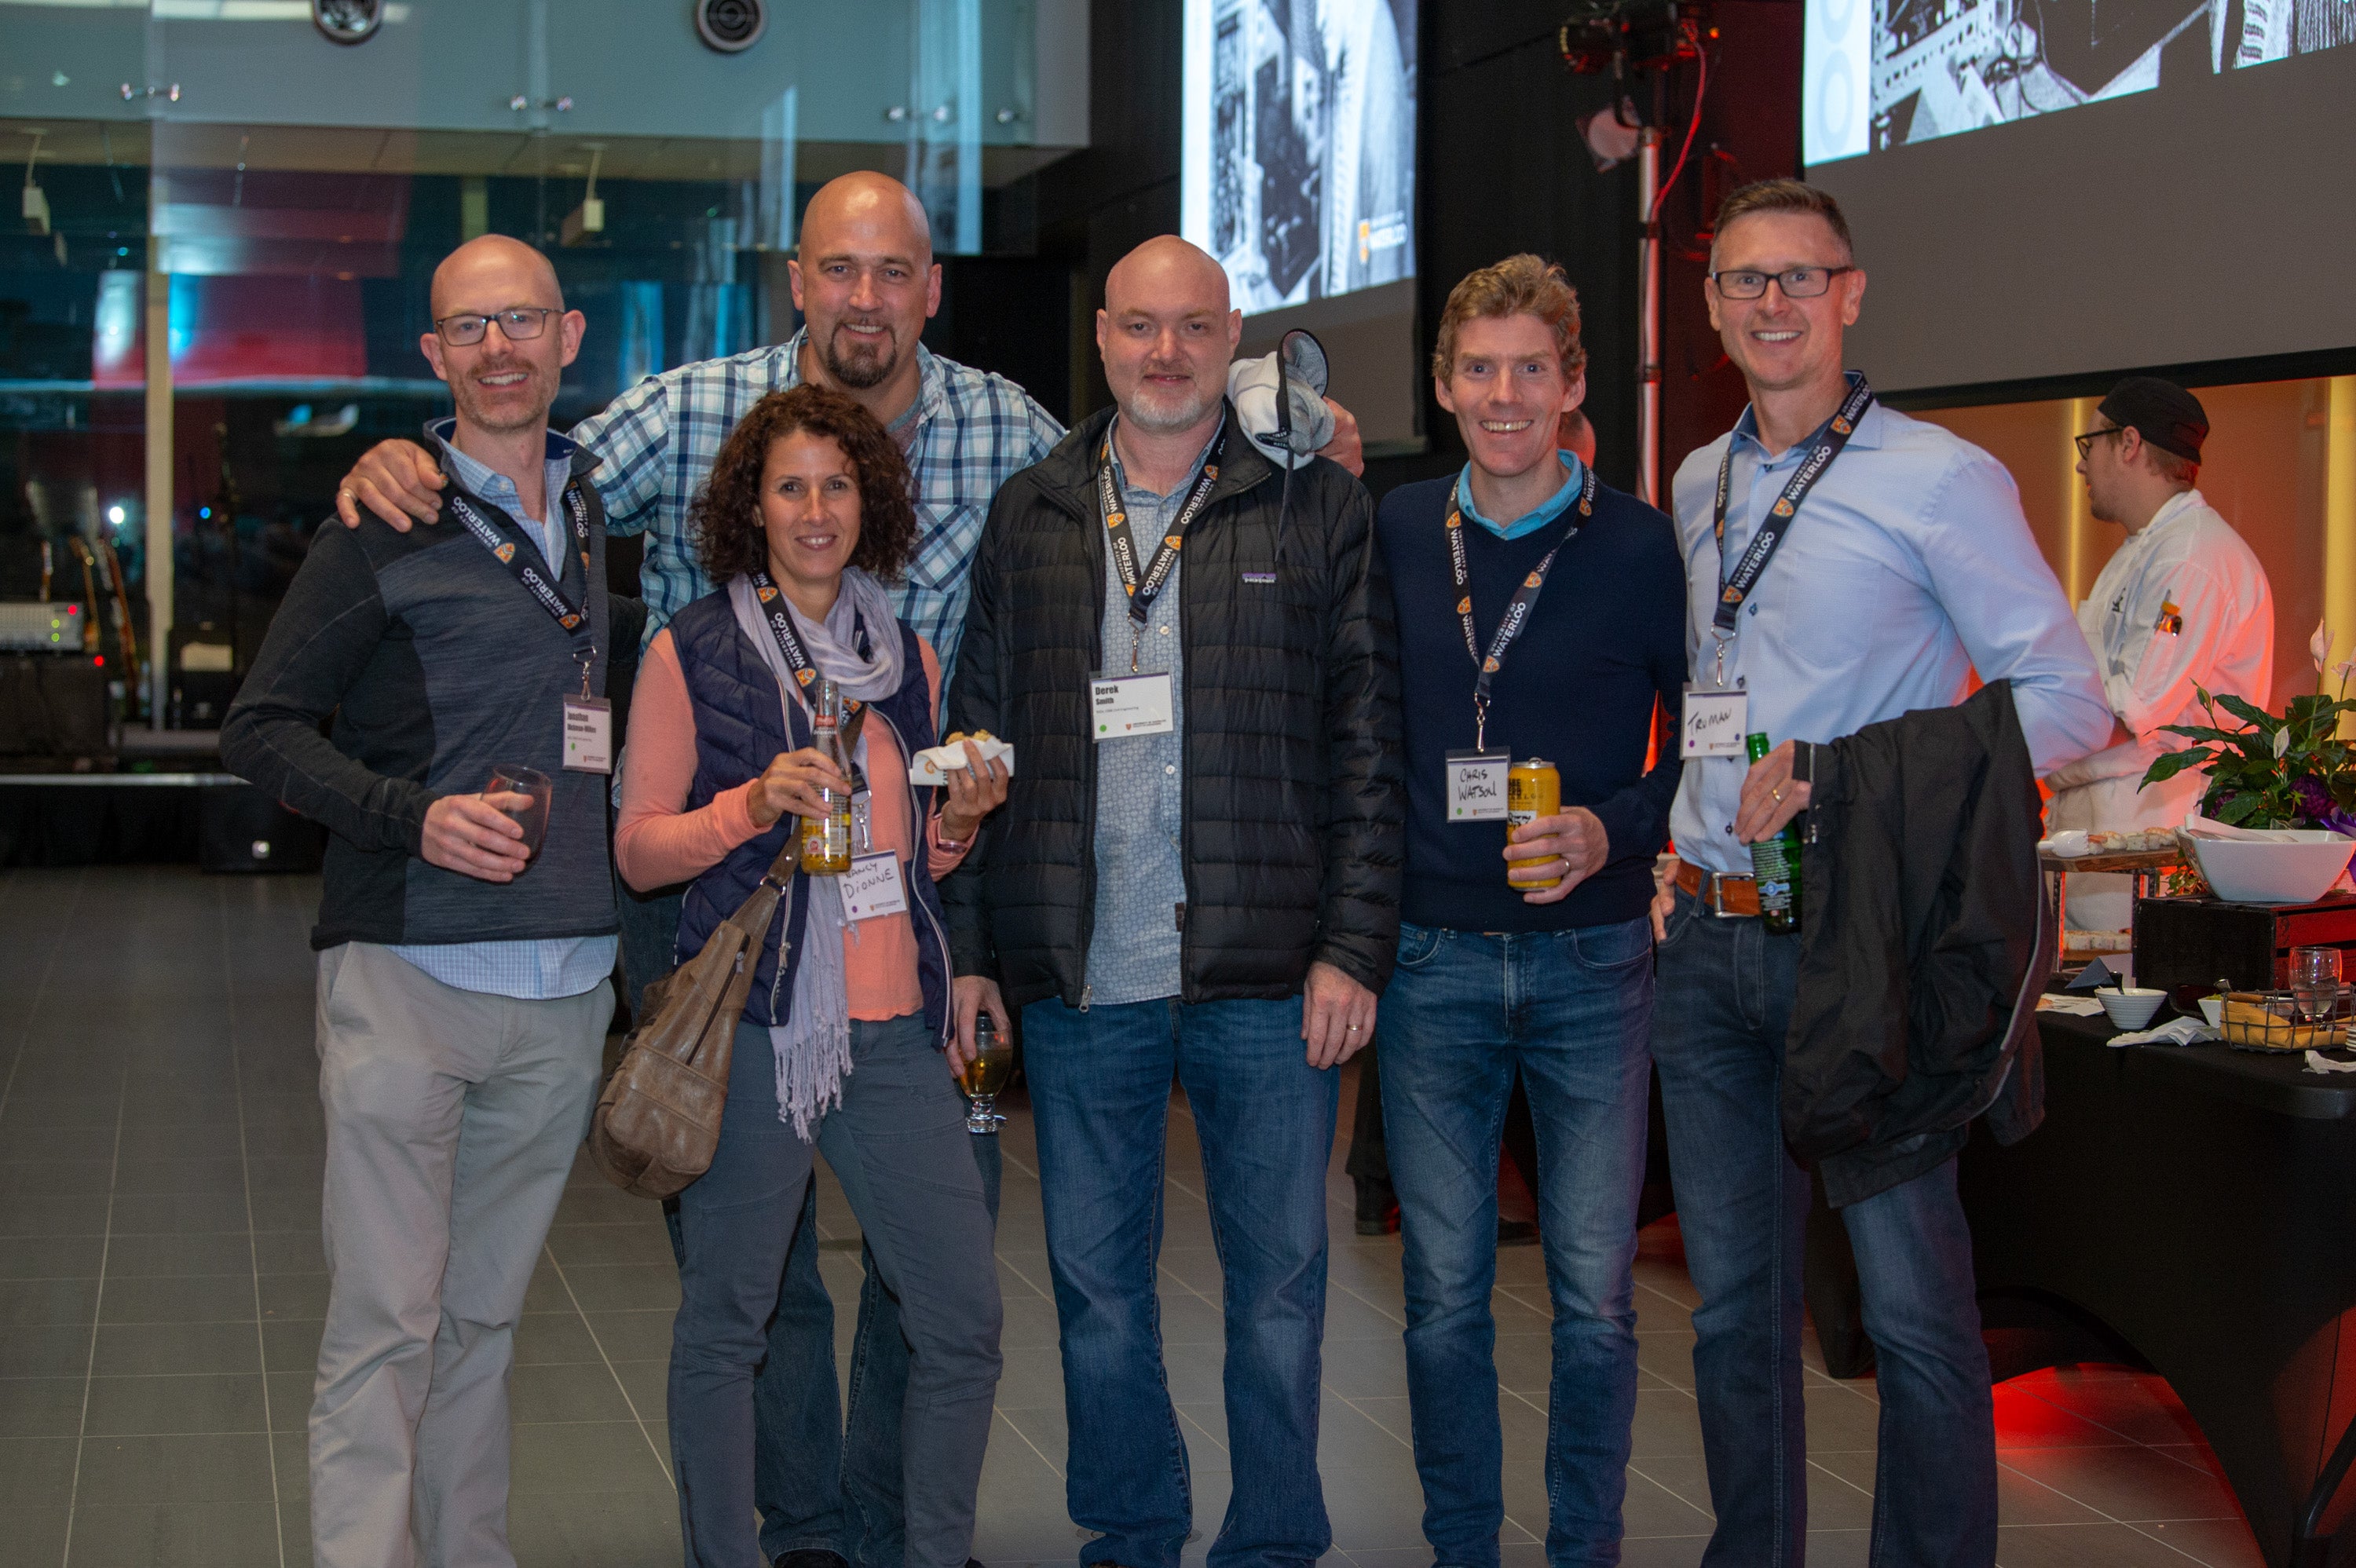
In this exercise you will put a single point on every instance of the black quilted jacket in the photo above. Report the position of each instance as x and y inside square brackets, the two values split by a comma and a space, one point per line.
[1294, 804]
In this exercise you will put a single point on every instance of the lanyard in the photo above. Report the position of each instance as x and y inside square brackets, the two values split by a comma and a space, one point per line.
[789, 642]
[1735, 585]
[524, 566]
[1517, 609]
[1142, 591]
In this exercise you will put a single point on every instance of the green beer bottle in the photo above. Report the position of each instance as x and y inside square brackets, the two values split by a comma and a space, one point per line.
[1775, 865]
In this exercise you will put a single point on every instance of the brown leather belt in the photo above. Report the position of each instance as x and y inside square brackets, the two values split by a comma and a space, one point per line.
[1720, 894]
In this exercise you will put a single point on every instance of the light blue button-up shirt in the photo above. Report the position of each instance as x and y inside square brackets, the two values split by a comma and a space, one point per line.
[1909, 566]
[1133, 955]
[528, 970]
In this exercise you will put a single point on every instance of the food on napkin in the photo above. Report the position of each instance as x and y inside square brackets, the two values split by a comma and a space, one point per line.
[933, 765]
[2076, 843]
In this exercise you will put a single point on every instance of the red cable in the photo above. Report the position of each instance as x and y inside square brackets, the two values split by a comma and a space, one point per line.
[1701, 59]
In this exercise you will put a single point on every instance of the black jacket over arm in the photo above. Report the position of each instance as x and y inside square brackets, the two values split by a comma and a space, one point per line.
[1293, 802]
[1926, 939]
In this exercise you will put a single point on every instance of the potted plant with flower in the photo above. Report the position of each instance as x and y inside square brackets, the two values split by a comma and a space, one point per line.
[2290, 770]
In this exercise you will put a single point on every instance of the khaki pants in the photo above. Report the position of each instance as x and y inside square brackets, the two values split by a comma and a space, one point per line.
[452, 1118]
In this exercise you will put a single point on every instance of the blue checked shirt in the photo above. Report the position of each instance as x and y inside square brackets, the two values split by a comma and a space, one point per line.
[1140, 793]
[528, 971]
[657, 440]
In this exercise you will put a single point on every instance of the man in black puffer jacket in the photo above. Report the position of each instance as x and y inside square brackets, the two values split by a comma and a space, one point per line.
[1206, 823]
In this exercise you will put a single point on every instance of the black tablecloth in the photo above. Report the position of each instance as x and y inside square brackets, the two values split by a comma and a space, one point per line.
[2194, 1207]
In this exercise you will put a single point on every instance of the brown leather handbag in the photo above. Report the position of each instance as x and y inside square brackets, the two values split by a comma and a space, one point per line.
[658, 1123]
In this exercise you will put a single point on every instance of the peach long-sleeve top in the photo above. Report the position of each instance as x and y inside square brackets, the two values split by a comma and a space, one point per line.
[659, 841]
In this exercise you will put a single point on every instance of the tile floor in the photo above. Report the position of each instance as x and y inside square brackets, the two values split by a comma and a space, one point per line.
[161, 1288]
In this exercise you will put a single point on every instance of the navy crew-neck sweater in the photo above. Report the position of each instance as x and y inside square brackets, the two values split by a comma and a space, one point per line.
[1606, 638]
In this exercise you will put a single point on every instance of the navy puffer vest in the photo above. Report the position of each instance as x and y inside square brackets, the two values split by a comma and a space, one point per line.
[739, 730]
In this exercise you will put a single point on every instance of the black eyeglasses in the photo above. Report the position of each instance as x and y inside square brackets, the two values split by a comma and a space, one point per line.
[2086, 441]
[517, 324]
[1798, 283]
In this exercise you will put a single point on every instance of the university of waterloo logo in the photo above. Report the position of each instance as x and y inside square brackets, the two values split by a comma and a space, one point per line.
[766, 595]
[1841, 426]
[1172, 540]
[1731, 596]
[506, 553]
[1455, 519]
[1532, 580]
[569, 622]
[804, 675]
[1464, 606]
[1488, 667]
[1783, 508]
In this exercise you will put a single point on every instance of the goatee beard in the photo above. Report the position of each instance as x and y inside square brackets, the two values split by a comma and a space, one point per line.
[862, 369]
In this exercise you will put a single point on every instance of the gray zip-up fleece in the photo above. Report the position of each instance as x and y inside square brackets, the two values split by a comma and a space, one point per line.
[436, 665]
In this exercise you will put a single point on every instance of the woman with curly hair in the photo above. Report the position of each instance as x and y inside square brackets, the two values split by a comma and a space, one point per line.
[806, 514]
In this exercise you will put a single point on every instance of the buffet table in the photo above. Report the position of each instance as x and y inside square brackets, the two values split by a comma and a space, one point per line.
[2193, 1207]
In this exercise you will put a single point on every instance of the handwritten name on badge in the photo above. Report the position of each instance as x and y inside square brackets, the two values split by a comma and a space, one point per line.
[1714, 723]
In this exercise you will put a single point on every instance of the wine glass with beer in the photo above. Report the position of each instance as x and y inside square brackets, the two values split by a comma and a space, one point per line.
[985, 1075]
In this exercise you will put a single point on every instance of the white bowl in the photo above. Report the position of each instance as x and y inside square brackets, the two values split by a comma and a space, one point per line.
[2132, 1007]
[2243, 872]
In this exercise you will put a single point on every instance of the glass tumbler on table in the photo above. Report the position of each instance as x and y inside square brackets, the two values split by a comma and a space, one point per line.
[2315, 982]
[985, 1075]
[511, 779]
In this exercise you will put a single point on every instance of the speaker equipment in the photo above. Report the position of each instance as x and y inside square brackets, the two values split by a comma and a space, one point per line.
[731, 27]
[43, 628]
[241, 830]
[53, 708]
[347, 21]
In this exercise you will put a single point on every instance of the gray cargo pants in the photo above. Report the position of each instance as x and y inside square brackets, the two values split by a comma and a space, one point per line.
[452, 1117]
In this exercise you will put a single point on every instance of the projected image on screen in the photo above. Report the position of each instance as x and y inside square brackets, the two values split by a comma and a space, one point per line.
[1299, 145]
[1885, 73]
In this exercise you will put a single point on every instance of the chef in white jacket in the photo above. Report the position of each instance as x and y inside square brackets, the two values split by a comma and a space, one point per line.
[2184, 604]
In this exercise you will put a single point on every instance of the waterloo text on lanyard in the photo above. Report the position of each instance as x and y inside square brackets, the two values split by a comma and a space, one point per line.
[1517, 609]
[1477, 779]
[1715, 717]
[1142, 591]
[805, 673]
[588, 731]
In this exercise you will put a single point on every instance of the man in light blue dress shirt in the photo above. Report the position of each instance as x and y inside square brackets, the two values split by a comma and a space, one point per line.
[1907, 566]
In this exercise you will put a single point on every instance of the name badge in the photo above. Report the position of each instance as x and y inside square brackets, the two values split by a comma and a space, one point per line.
[1714, 722]
[872, 887]
[588, 735]
[1476, 786]
[1131, 705]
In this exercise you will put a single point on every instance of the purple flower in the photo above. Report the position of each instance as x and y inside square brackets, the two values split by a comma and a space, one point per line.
[2317, 807]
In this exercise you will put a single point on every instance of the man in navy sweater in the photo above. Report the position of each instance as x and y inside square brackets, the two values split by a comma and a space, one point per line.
[1540, 615]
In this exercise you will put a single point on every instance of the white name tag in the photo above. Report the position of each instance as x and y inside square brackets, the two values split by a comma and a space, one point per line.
[588, 735]
[1715, 722]
[872, 887]
[1476, 786]
[1131, 705]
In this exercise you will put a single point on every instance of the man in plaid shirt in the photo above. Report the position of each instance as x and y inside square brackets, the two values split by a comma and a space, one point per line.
[865, 282]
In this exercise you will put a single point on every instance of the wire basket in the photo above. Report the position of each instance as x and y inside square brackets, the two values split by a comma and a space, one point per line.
[2272, 1021]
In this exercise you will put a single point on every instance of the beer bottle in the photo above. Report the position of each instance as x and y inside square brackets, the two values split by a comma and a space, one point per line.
[1775, 865]
[825, 837]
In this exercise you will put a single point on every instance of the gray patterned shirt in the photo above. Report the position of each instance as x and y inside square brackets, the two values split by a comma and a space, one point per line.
[1140, 865]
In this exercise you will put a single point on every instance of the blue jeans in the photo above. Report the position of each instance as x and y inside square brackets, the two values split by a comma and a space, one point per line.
[1572, 1010]
[819, 1482]
[1100, 1099]
[1725, 1001]
[898, 1145]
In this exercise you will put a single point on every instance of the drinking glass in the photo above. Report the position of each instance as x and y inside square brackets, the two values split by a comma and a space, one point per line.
[2315, 982]
[511, 779]
[985, 1075]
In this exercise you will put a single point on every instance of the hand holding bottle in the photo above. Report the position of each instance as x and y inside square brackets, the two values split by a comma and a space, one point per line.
[794, 782]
